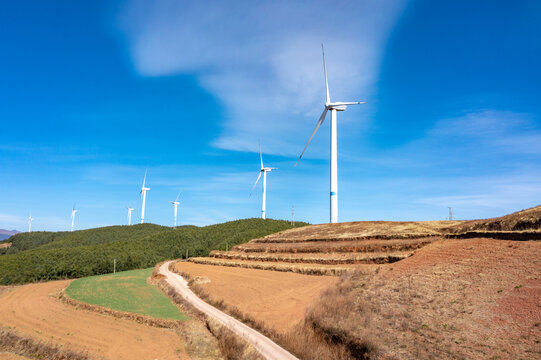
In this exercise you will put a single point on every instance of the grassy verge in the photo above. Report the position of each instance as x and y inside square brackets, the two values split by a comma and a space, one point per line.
[125, 291]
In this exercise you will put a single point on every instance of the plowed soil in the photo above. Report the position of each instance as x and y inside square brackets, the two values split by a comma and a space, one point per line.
[33, 310]
[278, 299]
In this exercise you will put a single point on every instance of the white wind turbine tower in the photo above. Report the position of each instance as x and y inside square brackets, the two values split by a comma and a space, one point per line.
[175, 204]
[130, 209]
[30, 219]
[144, 194]
[333, 107]
[73, 212]
[264, 170]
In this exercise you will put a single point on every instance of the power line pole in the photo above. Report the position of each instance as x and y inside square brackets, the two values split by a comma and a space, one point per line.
[450, 213]
[114, 266]
[293, 215]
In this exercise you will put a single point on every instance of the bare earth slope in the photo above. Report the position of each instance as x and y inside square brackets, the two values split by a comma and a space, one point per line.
[32, 310]
[332, 249]
[475, 298]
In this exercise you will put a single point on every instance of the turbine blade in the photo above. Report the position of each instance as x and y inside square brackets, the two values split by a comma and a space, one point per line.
[260, 156]
[177, 196]
[145, 178]
[328, 99]
[349, 103]
[259, 177]
[321, 119]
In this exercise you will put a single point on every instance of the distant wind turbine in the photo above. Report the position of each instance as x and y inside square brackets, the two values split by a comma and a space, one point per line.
[333, 107]
[175, 204]
[73, 212]
[130, 209]
[30, 219]
[264, 170]
[144, 194]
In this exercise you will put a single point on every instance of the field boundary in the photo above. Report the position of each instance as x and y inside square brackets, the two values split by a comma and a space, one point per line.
[266, 347]
[28, 346]
[406, 236]
[275, 266]
[139, 318]
[498, 235]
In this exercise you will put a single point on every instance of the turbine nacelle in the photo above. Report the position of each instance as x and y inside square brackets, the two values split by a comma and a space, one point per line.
[175, 202]
[341, 106]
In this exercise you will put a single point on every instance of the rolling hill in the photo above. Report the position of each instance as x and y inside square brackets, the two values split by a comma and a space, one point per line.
[41, 256]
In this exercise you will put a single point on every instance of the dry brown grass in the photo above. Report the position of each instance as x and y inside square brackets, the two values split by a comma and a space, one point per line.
[502, 235]
[27, 346]
[315, 258]
[343, 246]
[5, 245]
[362, 230]
[299, 268]
[529, 219]
[459, 299]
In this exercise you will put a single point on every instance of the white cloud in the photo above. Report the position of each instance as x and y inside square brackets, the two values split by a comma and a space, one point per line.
[262, 60]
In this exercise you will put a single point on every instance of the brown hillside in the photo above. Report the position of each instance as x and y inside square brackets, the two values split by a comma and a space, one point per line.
[332, 249]
[529, 219]
[454, 299]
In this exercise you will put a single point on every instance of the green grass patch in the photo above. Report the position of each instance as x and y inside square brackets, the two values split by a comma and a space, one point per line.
[125, 291]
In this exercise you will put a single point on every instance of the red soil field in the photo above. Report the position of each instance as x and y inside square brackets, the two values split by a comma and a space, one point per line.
[279, 299]
[34, 311]
[474, 298]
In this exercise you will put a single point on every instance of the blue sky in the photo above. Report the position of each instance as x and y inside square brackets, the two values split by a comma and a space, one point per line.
[93, 92]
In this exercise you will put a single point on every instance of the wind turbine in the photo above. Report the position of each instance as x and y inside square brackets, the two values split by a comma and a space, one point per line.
[30, 219]
[175, 204]
[73, 212]
[130, 209]
[144, 194]
[333, 107]
[264, 170]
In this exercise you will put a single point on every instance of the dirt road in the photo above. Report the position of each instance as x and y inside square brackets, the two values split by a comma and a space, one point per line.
[32, 310]
[264, 345]
[278, 299]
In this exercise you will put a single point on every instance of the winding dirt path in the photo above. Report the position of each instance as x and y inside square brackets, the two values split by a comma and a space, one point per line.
[269, 349]
[277, 299]
[32, 310]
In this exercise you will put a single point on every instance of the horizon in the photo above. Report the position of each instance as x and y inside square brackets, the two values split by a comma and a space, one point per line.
[95, 92]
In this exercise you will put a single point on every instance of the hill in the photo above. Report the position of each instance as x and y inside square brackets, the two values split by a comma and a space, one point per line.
[332, 249]
[524, 220]
[51, 240]
[47, 256]
[6, 234]
[409, 289]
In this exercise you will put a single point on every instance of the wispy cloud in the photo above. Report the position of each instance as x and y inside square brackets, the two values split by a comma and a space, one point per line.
[262, 60]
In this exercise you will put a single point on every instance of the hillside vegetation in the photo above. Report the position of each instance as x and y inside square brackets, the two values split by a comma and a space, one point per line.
[524, 220]
[51, 240]
[48, 256]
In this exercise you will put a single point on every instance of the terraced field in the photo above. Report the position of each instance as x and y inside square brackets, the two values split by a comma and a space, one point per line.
[332, 249]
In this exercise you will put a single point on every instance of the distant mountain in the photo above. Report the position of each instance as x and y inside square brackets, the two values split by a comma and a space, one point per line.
[6, 234]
